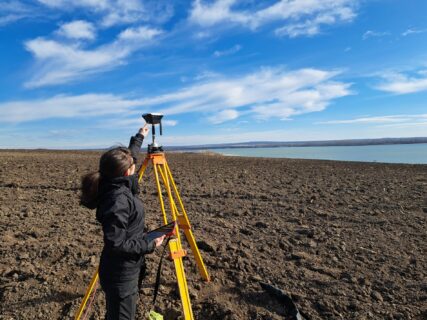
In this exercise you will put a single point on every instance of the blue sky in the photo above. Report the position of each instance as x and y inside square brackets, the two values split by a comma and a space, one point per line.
[79, 74]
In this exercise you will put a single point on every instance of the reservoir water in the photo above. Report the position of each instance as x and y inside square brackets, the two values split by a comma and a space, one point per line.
[392, 153]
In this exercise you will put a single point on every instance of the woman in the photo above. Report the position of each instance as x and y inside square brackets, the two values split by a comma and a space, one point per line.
[113, 191]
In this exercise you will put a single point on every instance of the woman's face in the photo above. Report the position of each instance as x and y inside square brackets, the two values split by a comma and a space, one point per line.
[131, 170]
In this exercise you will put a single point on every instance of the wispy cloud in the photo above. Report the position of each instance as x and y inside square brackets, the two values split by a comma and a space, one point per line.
[14, 10]
[63, 106]
[223, 116]
[134, 122]
[268, 93]
[227, 52]
[415, 124]
[374, 34]
[399, 83]
[412, 31]
[78, 29]
[115, 12]
[389, 119]
[206, 75]
[298, 17]
[62, 62]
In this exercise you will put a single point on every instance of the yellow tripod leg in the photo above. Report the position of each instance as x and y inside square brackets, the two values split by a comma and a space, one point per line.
[177, 254]
[142, 169]
[87, 295]
[159, 191]
[185, 225]
[162, 172]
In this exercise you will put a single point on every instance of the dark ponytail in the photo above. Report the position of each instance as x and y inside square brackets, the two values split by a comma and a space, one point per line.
[112, 164]
[90, 185]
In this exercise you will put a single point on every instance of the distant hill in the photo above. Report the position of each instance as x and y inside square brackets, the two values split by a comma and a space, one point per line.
[275, 144]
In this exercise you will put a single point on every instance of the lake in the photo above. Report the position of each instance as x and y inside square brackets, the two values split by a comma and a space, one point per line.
[392, 153]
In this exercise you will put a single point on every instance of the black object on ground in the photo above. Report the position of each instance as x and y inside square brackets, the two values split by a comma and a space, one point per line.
[291, 309]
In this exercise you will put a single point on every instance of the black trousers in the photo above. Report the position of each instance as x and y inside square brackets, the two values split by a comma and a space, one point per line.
[120, 308]
[121, 296]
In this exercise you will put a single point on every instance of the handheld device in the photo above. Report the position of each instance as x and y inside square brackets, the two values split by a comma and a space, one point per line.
[165, 230]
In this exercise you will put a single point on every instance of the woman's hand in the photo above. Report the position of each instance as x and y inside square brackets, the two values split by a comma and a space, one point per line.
[144, 130]
[159, 241]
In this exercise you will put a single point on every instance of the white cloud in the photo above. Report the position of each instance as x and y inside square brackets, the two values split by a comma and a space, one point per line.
[269, 93]
[408, 125]
[374, 34]
[170, 123]
[116, 12]
[78, 29]
[413, 31]
[227, 52]
[135, 122]
[223, 116]
[62, 106]
[206, 75]
[14, 10]
[298, 17]
[142, 33]
[390, 119]
[400, 83]
[58, 62]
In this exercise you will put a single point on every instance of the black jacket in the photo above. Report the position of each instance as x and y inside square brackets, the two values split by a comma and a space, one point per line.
[121, 214]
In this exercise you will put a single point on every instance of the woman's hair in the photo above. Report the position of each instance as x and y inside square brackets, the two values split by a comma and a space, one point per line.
[112, 164]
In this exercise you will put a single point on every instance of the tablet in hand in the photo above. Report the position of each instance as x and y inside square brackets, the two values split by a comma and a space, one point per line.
[165, 230]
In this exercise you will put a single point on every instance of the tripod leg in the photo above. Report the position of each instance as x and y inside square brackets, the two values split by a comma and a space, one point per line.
[175, 249]
[142, 169]
[87, 295]
[185, 225]
[174, 210]
[168, 190]
[159, 191]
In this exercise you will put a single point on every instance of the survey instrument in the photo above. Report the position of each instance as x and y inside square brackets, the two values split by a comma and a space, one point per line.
[153, 119]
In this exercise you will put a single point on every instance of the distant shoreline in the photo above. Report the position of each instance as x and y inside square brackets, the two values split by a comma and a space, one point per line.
[262, 144]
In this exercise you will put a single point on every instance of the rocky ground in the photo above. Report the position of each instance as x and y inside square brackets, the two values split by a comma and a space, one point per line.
[344, 240]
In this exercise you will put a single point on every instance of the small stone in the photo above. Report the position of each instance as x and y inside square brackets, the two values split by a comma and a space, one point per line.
[300, 256]
[28, 214]
[24, 256]
[146, 291]
[256, 278]
[92, 261]
[377, 296]
[312, 244]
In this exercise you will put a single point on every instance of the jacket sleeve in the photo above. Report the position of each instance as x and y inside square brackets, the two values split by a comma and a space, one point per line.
[115, 224]
[135, 145]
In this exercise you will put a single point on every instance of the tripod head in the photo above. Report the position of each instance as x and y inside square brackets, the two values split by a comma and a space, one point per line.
[153, 119]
